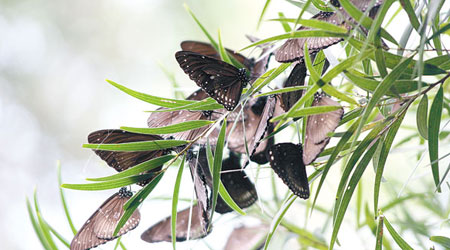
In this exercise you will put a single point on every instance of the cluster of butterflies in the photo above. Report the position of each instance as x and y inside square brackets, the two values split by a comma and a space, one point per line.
[248, 131]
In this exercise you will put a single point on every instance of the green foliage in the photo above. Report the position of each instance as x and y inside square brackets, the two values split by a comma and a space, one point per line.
[372, 81]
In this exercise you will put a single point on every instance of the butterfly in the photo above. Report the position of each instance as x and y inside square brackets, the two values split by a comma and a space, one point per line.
[247, 237]
[318, 126]
[161, 231]
[256, 68]
[99, 228]
[259, 111]
[222, 81]
[286, 160]
[296, 78]
[292, 49]
[121, 161]
[233, 177]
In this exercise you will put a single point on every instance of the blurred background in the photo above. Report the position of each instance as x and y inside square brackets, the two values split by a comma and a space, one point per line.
[54, 59]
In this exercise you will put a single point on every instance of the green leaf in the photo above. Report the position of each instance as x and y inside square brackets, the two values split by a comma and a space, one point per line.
[310, 111]
[397, 238]
[387, 144]
[50, 243]
[422, 117]
[267, 77]
[359, 170]
[379, 241]
[433, 134]
[381, 89]
[137, 169]
[266, 5]
[176, 192]
[284, 23]
[441, 240]
[137, 146]
[210, 38]
[217, 165]
[109, 184]
[163, 102]
[283, 90]
[278, 218]
[171, 129]
[223, 53]
[36, 226]
[63, 200]
[406, 4]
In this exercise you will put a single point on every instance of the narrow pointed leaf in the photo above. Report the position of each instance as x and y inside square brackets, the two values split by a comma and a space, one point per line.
[397, 238]
[63, 201]
[176, 192]
[422, 117]
[109, 184]
[434, 123]
[137, 146]
[179, 127]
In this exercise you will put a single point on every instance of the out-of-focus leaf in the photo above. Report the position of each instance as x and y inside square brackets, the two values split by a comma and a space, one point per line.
[406, 4]
[278, 217]
[434, 123]
[283, 22]
[422, 117]
[266, 5]
[36, 227]
[441, 240]
[398, 239]
[217, 166]
[63, 201]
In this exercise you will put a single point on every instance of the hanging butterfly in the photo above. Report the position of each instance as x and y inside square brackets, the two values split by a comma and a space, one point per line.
[222, 81]
[254, 128]
[99, 228]
[296, 78]
[200, 219]
[233, 177]
[319, 126]
[247, 237]
[292, 49]
[161, 231]
[121, 161]
[286, 161]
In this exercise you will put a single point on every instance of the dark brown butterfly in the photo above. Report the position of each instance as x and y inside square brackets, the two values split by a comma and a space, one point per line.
[200, 218]
[296, 78]
[286, 160]
[247, 237]
[318, 126]
[121, 161]
[259, 111]
[99, 228]
[233, 177]
[208, 50]
[292, 49]
[221, 81]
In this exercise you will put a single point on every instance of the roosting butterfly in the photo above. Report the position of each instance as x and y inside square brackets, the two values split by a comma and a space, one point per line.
[318, 126]
[286, 161]
[256, 69]
[253, 128]
[221, 81]
[296, 78]
[233, 177]
[99, 228]
[247, 237]
[292, 49]
[124, 160]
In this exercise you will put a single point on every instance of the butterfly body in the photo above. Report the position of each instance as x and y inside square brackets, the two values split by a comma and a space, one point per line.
[99, 228]
[220, 80]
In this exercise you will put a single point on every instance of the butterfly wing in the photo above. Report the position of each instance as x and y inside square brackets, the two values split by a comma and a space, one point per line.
[238, 185]
[124, 160]
[161, 231]
[208, 50]
[296, 78]
[318, 126]
[286, 161]
[247, 238]
[292, 49]
[99, 228]
[221, 81]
